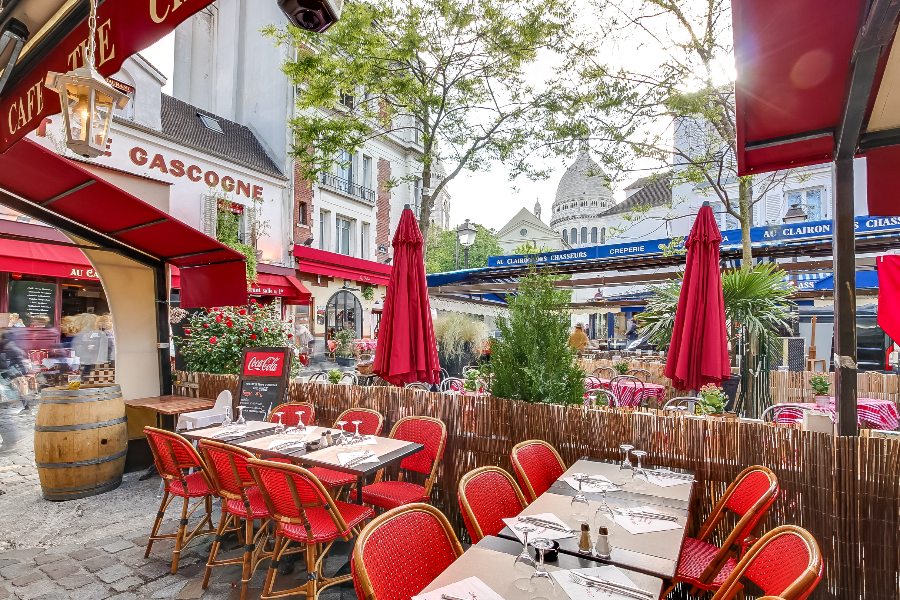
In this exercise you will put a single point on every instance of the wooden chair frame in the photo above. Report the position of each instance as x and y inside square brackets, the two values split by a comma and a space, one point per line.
[799, 589]
[181, 537]
[363, 580]
[464, 501]
[254, 544]
[284, 404]
[434, 464]
[315, 552]
[520, 472]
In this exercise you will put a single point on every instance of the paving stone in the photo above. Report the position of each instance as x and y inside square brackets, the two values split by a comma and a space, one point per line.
[63, 568]
[25, 580]
[98, 563]
[21, 554]
[43, 559]
[103, 541]
[4, 593]
[159, 584]
[192, 591]
[113, 573]
[118, 546]
[87, 553]
[94, 591]
[73, 582]
[17, 570]
[154, 570]
[125, 596]
[39, 588]
[126, 583]
[169, 591]
[6, 563]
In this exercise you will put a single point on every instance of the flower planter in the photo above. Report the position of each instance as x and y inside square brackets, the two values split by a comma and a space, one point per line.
[345, 362]
[823, 401]
[730, 387]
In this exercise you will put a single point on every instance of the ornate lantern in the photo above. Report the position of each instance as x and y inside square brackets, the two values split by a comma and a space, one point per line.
[87, 102]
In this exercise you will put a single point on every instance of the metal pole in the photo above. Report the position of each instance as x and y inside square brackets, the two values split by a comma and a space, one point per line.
[844, 250]
[162, 330]
[467, 257]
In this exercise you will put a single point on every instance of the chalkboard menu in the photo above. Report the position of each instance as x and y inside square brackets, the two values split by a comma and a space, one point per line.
[263, 381]
[32, 299]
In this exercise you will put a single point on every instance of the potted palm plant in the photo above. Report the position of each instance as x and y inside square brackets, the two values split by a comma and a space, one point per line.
[821, 387]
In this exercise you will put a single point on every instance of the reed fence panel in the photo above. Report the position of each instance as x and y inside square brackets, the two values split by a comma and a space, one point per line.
[844, 490]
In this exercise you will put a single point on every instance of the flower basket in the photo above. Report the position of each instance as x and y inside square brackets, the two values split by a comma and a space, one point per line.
[365, 364]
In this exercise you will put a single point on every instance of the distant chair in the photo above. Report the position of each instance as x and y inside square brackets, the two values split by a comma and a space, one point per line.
[537, 465]
[625, 387]
[487, 496]
[418, 385]
[682, 404]
[202, 418]
[795, 411]
[610, 398]
[642, 374]
[379, 382]
[452, 385]
[317, 376]
[605, 372]
[349, 376]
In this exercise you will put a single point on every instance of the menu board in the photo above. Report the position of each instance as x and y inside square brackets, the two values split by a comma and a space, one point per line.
[262, 385]
[31, 299]
[258, 398]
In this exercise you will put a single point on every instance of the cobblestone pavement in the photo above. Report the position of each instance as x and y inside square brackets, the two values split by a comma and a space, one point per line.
[93, 548]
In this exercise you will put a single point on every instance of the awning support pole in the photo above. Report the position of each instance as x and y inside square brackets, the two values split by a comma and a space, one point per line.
[162, 329]
[844, 299]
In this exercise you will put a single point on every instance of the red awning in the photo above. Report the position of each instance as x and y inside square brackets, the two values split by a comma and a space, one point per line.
[211, 273]
[283, 286]
[331, 264]
[33, 258]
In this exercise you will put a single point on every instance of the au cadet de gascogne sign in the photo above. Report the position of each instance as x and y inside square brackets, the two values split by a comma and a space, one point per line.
[124, 27]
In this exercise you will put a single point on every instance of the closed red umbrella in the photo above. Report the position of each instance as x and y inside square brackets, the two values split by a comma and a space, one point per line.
[406, 349]
[698, 353]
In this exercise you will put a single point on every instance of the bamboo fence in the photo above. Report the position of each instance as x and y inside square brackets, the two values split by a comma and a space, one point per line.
[844, 490]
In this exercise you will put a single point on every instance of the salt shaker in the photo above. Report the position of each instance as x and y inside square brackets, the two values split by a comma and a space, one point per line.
[603, 550]
[329, 438]
[324, 442]
[584, 544]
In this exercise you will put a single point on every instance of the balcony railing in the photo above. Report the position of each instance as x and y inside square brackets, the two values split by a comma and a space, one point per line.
[341, 185]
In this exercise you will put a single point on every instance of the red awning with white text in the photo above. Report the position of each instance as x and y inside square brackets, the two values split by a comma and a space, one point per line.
[331, 264]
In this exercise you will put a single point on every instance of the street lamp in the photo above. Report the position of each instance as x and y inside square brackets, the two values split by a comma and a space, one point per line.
[794, 215]
[465, 235]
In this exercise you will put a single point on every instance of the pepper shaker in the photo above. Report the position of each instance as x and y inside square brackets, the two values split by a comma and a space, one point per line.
[584, 544]
[324, 442]
[603, 550]
[329, 438]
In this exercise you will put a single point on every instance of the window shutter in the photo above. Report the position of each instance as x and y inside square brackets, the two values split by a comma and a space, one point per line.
[250, 226]
[773, 208]
[209, 215]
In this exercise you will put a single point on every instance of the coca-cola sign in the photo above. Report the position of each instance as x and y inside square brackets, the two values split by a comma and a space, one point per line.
[264, 364]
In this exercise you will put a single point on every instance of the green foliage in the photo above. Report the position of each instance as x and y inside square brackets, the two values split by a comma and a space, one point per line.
[343, 343]
[456, 76]
[529, 247]
[334, 376]
[532, 360]
[478, 379]
[712, 399]
[368, 292]
[216, 337]
[441, 252]
[820, 384]
[227, 228]
[622, 367]
[454, 330]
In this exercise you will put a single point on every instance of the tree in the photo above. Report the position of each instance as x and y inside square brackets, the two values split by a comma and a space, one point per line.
[630, 115]
[529, 247]
[532, 360]
[448, 74]
[440, 256]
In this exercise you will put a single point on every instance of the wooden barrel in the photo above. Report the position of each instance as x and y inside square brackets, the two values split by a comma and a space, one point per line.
[80, 440]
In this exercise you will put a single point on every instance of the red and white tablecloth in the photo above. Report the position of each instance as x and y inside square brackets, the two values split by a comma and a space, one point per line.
[629, 393]
[880, 413]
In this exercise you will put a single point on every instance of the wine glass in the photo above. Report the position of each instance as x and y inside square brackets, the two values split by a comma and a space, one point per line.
[626, 464]
[600, 520]
[357, 437]
[524, 565]
[279, 426]
[343, 433]
[226, 422]
[541, 581]
[639, 475]
[240, 420]
[579, 504]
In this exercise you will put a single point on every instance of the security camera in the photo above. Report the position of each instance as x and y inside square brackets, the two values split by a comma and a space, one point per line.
[313, 15]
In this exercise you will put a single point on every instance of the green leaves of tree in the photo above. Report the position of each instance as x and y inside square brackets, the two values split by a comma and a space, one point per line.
[441, 252]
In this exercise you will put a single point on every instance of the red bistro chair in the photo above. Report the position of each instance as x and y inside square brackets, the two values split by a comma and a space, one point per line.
[241, 499]
[294, 413]
[175, 457]
[416, 536]
[785, 563]
[537, 465]
[706, 566]
[432, 433]
[372, 424]
[304, 513]
[486, 497]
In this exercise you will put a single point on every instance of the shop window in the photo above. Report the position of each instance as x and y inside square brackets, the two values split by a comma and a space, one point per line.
[301, 214]
[810, 201]
[343, 311]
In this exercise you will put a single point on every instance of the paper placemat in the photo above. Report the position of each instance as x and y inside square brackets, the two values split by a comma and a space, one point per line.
[541, 532]
[493, 568]
[580, 592]
[251, 427]
[264, 443]
[346, 457]
[467, 589]
[612, 472]
[381, 447]
[591, 485]
[637, 525]
[666, 481]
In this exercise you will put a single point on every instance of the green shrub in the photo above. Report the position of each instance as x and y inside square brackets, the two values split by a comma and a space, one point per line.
[334, 376]
[820, 384]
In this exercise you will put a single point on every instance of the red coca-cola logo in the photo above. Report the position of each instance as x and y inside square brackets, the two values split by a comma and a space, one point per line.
[264, 363]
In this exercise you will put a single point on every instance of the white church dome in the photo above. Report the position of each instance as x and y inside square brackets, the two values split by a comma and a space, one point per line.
[581, 197]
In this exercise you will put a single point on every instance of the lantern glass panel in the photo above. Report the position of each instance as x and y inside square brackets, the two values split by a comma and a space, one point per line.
[103, 105]
[78, 108]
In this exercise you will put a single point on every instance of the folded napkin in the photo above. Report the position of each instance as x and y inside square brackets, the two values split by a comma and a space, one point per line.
[467, 589]
[345, 457]
[666, 481]
[636, 525]
[541, 532]
[580, 592]
[595, 484]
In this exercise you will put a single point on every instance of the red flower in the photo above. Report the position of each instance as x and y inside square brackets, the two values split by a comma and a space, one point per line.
[252, 300]
[213, 340]
[219, 318]
[242, 311]
[230, 323]
[252, 336]
[265, 328]
[187, 331]
[290, 335]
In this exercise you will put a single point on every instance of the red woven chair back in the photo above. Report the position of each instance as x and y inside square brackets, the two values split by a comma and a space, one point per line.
[227, 468]
[486, 497]
[537, 466]
[293, 413]
[289, 490]
[402, 551]
[172, 453]
[785, 562]
[756, 484]
[426, 431]
[372, 421]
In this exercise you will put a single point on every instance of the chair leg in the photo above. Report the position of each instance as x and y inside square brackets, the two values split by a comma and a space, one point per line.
[249, 548]
[311, 569]
[214, 550]
[159, 517]
[280, 545]
[182, 526]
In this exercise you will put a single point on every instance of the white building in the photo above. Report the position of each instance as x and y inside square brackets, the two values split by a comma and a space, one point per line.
[581, 198]
[526, 227]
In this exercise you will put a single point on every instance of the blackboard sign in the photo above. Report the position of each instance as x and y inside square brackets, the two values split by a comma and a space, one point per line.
[263, 382]
[32, 299]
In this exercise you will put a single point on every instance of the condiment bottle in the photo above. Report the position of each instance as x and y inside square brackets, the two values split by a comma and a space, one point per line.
[603, 550]
[584, 544]
[324, 442]
[329, 438]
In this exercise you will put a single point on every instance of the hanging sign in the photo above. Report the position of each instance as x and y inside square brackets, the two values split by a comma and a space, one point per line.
[124, 27]
[263, 382]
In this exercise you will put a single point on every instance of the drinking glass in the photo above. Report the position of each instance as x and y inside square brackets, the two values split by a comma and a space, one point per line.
[357, 437]
[524, 565]
[626, 463]
[343, 433]
[541, 581]
[639, 476]
[226, 422]
[580, 507]
[240, 420]
[600, 520]
[279, 426]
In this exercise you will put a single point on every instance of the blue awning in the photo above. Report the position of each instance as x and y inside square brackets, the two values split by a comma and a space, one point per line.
[864, 280]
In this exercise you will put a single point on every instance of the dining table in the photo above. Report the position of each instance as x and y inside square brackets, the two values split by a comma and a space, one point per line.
[650, 546]
[491, 562]
[628, 392]
[261, 438]
[881, 414]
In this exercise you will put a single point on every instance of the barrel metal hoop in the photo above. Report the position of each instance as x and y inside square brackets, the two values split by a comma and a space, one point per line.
[80, 463]
[46, 400]
[80, 427]
[82, 488]
[85, 391]
[100, 488]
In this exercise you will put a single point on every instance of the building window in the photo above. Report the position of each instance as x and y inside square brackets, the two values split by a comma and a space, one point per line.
[345, 166]
[810, 201]
[301, 214]
[584, 237]
[565, 236]
[574, 235]
[364, 242]
[322, 245]
[367, 172]
[603, 235]
[417, 196]
[593, 235]
[347, 100]
[342, 236]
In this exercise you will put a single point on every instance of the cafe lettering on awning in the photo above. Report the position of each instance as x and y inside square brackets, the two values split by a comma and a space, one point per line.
[124, 27]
